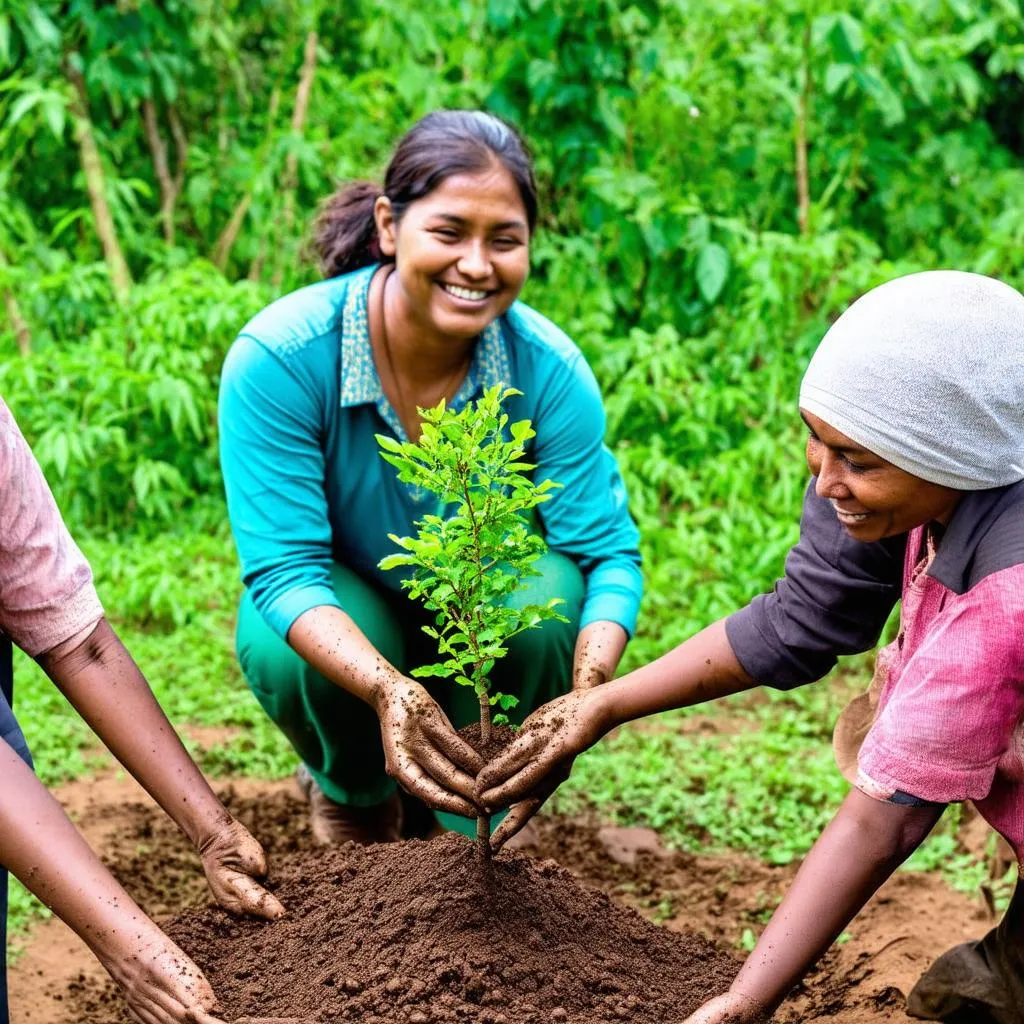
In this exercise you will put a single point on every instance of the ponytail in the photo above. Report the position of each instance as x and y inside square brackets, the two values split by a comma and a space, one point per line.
[345, 232]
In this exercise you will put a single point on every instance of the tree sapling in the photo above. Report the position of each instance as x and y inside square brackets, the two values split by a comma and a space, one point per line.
[467, 563]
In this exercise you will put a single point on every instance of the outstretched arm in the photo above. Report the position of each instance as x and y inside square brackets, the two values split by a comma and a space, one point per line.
[421, 749]
[702, 668]
[45, 852]
[103, 683]
[860, 848]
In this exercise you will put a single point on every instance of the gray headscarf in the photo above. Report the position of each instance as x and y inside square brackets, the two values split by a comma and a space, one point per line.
[927, 371]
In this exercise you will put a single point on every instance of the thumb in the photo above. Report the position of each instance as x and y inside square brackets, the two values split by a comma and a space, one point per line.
[245, 895]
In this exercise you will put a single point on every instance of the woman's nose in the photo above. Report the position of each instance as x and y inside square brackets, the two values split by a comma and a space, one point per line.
[474, 262]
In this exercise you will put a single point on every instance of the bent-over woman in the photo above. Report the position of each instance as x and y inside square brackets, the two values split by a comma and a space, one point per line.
[913, 405]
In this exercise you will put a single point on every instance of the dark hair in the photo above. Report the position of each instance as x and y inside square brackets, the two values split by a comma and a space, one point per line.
[442, 144]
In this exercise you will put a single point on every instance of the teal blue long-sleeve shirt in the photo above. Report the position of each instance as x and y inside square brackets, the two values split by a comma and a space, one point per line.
[300, 403]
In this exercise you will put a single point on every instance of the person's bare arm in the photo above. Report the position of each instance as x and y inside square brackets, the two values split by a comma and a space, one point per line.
[702, 668]
[421, 749]
[599, 648]
[98, 676]
[860, 848]
[41, 848]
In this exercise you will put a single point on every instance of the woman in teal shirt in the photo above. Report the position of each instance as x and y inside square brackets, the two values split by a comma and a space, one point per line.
[419, 305]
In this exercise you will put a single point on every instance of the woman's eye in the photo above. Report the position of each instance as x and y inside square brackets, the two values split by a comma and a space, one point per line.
[507, 243]
[857, 467]
[448, 234]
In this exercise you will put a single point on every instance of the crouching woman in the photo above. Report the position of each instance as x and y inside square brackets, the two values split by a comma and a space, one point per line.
[916, 445]
[420, 305]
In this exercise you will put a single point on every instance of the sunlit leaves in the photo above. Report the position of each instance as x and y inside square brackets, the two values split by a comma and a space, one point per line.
[712, 271]
[468, 563]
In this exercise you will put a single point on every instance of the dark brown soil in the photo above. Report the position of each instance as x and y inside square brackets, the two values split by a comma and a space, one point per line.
[913, 919]
[423, 932]
[501, 737]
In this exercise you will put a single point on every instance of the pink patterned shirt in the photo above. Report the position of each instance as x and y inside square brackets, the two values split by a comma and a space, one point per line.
[46, 590]
[948, 725]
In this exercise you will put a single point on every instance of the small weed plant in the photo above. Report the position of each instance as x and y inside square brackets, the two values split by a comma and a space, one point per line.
[467, 564]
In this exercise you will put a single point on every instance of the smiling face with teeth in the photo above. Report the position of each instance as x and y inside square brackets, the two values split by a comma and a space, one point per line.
[461, 253]
[872, 498]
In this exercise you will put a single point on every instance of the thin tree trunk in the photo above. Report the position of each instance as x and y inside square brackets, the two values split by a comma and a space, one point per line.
[803, 187]
[181, 149]
[158, 151]
[302, 96]
[18, 322]
[228, 237]
[483, 821]
[256, 267]
[92, 167]
[22, 332]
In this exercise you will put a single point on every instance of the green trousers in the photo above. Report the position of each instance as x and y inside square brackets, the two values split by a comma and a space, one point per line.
[338, 736]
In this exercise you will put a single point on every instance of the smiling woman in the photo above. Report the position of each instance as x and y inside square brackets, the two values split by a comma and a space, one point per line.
[916, 446]
[420, 305]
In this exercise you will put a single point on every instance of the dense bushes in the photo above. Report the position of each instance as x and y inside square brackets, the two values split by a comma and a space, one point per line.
[719, 181]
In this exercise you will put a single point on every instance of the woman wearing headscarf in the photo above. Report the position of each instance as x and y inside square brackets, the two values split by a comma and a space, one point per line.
[913, 403]
[50, 609]
[420, 304]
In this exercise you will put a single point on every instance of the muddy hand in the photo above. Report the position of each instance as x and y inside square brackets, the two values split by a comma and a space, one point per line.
[538, 760]
[731, 1008]
[163, 986]
[233, 860]
[423, 752]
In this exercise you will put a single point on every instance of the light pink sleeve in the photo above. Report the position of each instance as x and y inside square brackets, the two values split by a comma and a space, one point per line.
[952, 714]
[46, 590]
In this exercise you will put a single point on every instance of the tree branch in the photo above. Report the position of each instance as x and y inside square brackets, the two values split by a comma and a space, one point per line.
[92, 167]
[803, 188]
[299, 113]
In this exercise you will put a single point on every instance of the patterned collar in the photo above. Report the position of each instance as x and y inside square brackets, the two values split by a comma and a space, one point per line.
[360, 383]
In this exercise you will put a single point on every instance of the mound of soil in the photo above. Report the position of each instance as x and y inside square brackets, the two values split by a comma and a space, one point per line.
[420, 932]
[914, 918]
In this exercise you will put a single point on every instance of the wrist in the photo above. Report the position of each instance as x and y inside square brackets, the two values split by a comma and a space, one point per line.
[207, 820]
[600, 710]
[384, 690]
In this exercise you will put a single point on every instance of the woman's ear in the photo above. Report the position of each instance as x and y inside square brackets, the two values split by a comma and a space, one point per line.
[384, 215]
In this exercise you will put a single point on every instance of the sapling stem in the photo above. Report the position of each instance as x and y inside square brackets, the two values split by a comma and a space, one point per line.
[485, 718]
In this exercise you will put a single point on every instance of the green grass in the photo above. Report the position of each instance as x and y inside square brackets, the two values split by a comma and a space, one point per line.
[753, 773]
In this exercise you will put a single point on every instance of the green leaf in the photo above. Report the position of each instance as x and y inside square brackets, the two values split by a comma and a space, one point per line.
[712, 271]
[836, 76]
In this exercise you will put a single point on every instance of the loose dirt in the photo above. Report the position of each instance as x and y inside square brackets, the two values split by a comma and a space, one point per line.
[537, 952]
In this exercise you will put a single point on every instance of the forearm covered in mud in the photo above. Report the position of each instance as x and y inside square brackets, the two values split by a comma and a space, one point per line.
[103, 683]
[599, 648]
[700, 669]
[860, 848]
[329, 640]
[44, 851]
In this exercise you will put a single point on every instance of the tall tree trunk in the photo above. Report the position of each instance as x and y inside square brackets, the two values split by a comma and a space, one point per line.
[92, 167]
[228, 237]
[291, 169]
[170, 187]
[803, 186]
[19, 324]
[158, 151]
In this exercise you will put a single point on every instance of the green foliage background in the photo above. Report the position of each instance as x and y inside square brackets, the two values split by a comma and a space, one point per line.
[676, 247]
